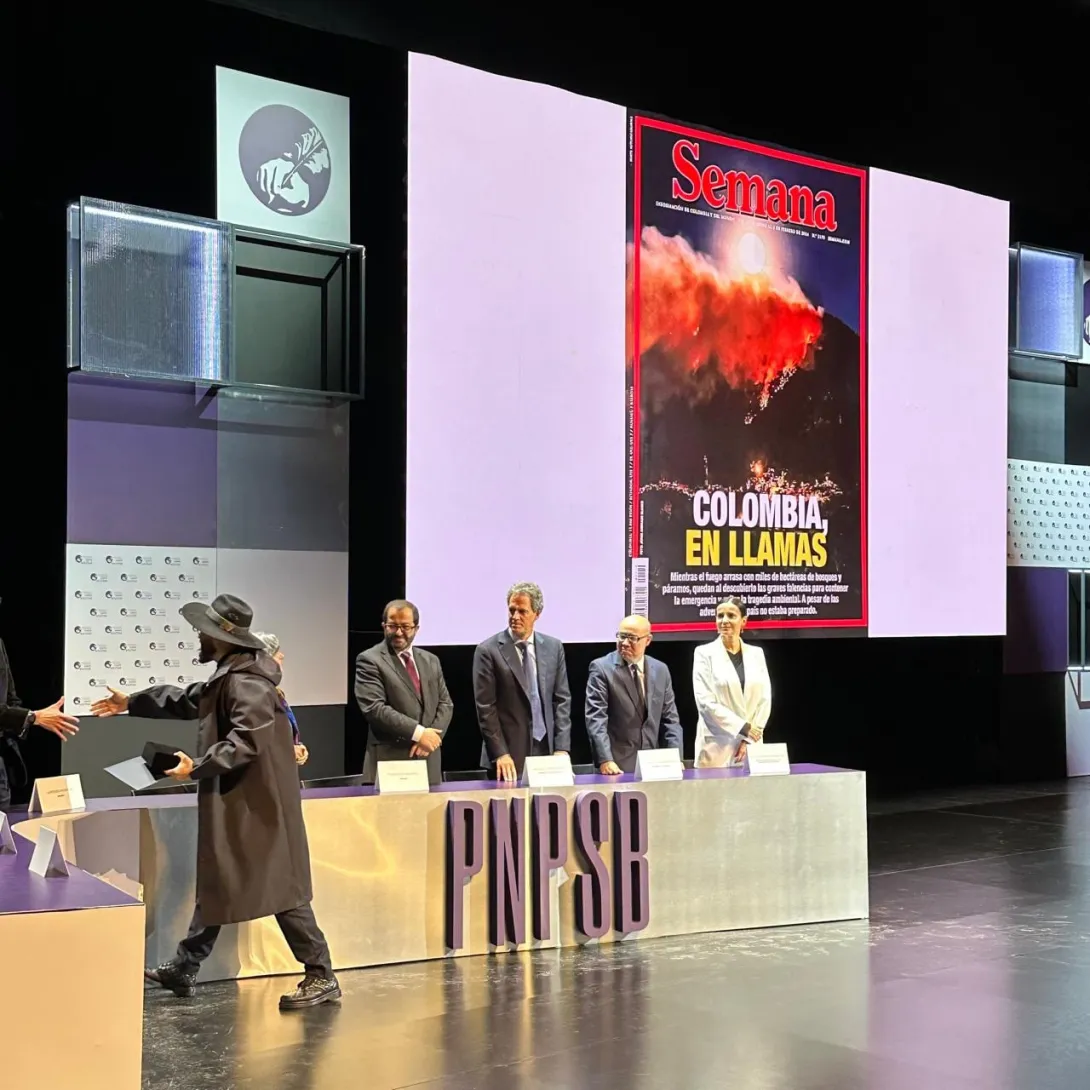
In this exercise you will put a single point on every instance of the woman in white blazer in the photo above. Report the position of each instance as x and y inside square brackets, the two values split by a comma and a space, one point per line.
[732, 688]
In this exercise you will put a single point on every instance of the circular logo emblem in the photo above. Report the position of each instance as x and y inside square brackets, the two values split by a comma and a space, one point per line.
[285, 160]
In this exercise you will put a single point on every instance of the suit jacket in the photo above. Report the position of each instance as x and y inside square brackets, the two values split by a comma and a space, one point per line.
[723, 706]
[392, 709]
[617, 733]
[12, 713]
[503, 699]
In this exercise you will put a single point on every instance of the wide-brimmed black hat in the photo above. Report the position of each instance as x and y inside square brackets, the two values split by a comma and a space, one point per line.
[227, 619]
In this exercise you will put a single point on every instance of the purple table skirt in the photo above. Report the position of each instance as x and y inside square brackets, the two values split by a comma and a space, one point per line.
[153, 802]
[22, 891]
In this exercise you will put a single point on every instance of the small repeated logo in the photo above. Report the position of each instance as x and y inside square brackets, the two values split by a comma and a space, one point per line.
[97, 683]
[142, 664]
[82, 665]
[77, 700]
[172, 561]
[201, 595]
[101, 613]
[128, 681]
[171, 664]
[86, 595]
[112, 665]
[184, 679]
[195, 662]
[183, 646]
[85, 630]
[157, 646]
[156, 611]
[116, 595]
[98, 648]
[96, 578]
[156, 578]
[129, 647]
[157, 680]
[143, 629]
[113, 630]
[144, 560]
[83, 558]
[173, 595]
[127, 578]
[183, 578]
[114, 560]
[128, 612]
[200, 561]
[143, 595]
[171, 628]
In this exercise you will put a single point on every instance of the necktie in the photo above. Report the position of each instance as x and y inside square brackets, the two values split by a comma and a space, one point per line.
[530, 674]
[414, 677]
[641, 697]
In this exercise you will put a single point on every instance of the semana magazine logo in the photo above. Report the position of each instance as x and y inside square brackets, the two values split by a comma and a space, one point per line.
[285, 160]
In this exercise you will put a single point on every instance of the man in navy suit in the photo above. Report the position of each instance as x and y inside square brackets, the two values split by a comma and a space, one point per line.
[520, 685]
[630, 702]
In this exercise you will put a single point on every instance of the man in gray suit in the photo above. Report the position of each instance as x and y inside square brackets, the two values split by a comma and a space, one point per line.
[630, 702]
[520, 685]
[402, 694]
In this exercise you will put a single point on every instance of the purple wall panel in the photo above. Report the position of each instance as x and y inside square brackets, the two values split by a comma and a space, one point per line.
[141, 463]
[1037, 607]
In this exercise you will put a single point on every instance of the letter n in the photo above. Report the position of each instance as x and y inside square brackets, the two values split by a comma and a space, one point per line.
[507, 884]
[549, 832]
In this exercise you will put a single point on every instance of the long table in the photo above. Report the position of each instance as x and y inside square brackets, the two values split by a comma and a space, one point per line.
[721, 850]
[72, 1008]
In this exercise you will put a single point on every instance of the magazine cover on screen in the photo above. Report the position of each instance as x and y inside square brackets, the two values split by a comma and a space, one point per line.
[746, 382]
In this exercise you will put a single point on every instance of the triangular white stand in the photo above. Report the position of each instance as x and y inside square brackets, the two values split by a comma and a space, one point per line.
[7, 838]
[48, 859]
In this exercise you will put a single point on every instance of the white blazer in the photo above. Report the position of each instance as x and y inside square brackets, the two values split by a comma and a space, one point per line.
[724, 708]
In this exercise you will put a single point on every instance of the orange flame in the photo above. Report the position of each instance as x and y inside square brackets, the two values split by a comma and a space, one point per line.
[757, 330]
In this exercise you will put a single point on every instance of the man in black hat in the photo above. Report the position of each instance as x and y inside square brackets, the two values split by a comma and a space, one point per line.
[252, 854]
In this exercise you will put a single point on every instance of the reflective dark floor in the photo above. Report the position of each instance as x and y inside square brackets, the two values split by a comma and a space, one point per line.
[973, 973]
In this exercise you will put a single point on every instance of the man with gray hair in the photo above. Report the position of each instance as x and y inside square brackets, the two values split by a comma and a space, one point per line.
[520, 685]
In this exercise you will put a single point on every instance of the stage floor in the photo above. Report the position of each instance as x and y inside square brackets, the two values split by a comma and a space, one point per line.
[973, 973]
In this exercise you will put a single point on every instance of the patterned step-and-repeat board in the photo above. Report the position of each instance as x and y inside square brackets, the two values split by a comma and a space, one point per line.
[1048, 515]
[123, 628]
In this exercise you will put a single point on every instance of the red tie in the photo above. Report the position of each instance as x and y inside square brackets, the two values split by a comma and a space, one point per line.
[414, 677]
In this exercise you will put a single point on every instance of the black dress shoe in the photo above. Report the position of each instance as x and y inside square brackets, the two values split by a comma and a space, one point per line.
[174, 979]
[311, 991]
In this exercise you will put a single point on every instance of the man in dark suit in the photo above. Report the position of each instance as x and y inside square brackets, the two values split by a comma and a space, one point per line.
[402, 694]
[520, 684]
[630, 702]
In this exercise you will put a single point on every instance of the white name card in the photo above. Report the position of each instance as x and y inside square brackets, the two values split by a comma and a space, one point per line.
[402, 778]
[552, 771]
[768, 759]
[48, 859]
[7, 839]
[56, 793]
[659, 764]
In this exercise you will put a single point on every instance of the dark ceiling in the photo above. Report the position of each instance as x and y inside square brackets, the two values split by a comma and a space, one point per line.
[976, 95]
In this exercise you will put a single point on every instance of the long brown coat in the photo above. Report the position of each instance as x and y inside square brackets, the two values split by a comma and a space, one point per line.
[252, 853]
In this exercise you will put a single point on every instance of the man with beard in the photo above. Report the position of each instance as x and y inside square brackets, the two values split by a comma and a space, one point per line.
[401, 691]
[252, 855]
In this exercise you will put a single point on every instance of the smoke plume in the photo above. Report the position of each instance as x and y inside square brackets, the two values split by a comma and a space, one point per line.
[755, 331]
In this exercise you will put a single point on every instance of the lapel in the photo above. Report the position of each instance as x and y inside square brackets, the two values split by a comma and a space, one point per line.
[650, 683]
[398, 668]
[729, 674]
[544, 669]
[627, 681]
[511, 656]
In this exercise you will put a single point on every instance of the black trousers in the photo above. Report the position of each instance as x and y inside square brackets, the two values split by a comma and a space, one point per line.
[300, 928]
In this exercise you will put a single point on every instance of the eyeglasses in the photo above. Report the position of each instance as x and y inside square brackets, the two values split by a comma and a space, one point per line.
[405, 628]
[628, 637]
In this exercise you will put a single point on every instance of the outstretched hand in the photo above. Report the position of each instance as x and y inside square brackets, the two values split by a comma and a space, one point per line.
[54, 720]
[117, 703]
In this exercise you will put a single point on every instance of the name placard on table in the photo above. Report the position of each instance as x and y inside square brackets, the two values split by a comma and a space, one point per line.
[768, 759]
[402, 778]
[659, 764]
[48, 860]
[57, 793]
[552, 771]
[7, 839]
